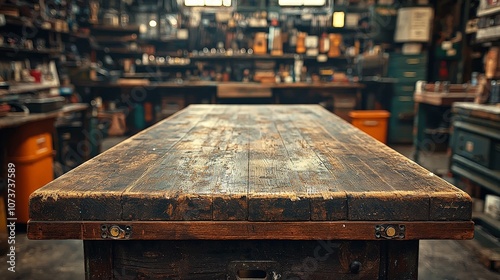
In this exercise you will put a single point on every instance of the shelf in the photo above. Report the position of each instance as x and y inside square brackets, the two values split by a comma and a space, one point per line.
[475, 172]
[19, 89]
[160, 41]
[120, 51]
[489, 11]
[14, 50]
[488, 34]
[103, 39]
[26, 23]
[167, 65]
[351, 9]
[342, 57]
[145, 75]
[244, 56]
[118, 28]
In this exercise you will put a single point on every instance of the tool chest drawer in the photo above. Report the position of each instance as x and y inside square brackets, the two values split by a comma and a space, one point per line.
[409, 75]
[407, 61]
[407, 68]
[404, 89]
[475, 143]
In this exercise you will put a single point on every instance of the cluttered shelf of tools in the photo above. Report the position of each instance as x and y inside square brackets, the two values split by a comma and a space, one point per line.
[15, 51]
[29, 27]
[285, 56]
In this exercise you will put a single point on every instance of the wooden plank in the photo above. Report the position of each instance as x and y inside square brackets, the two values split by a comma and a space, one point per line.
[391, 178]
[177, 188]
[98, 260]
[327, 202]
[208, 167]
[230, 195]
[243, 230]
[275, 192]
[93, 190]
[361, 174]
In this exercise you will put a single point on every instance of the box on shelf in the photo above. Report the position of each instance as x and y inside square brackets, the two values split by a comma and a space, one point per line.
[492, 206]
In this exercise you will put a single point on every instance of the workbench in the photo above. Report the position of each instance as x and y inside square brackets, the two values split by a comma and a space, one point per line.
[250, 191]
[433, 119]
[340, 97]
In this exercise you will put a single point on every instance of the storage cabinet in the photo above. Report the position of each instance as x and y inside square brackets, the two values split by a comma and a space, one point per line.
[476, 144]
[407, 69]
[475, 160]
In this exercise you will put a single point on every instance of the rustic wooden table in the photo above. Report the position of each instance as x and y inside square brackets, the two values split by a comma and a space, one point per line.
[258, 192]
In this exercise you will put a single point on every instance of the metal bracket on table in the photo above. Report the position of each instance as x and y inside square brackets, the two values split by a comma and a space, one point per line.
[390, 231]
[115, 231]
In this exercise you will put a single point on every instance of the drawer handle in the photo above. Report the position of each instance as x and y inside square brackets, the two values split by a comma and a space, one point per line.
[408, 116]
[405, 98]
[408, 88]
[370, 123]
[253, 270]
[410, 74]
[413, 61]
[355, 267]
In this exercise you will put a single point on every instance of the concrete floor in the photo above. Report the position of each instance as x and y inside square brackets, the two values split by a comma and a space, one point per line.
[48, 259]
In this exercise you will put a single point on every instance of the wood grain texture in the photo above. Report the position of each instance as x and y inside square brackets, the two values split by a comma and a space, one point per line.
[250, 163]
[244, 230]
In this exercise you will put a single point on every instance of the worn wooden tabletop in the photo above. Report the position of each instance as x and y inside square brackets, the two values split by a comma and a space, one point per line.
[250, 163]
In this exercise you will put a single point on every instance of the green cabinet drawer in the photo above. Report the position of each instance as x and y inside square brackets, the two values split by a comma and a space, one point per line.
[407, 61]
[404, 89]
[474, 144]
[401, 120]
[407, 68]
[410, 75]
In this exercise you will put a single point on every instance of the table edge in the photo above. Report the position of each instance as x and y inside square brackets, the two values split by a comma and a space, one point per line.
[245, 230]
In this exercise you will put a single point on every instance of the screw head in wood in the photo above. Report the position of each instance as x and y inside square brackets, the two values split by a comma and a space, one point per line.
[114, 231]
[390, 231]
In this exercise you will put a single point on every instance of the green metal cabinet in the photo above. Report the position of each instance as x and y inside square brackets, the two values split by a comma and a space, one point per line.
[475, 145]
[401, 119]
[407, 69]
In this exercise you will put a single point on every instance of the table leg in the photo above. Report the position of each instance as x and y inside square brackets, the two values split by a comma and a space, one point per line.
[98, 259]
[402, 259]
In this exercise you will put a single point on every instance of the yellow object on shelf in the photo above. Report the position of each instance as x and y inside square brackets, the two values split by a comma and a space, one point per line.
[372, 122]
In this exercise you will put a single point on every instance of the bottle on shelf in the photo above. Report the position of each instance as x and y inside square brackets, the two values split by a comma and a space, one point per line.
[301, 42]
[335, 42]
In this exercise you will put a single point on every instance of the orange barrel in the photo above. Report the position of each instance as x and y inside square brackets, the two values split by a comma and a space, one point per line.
[372, 122]
[4, 234]
[30, 150]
